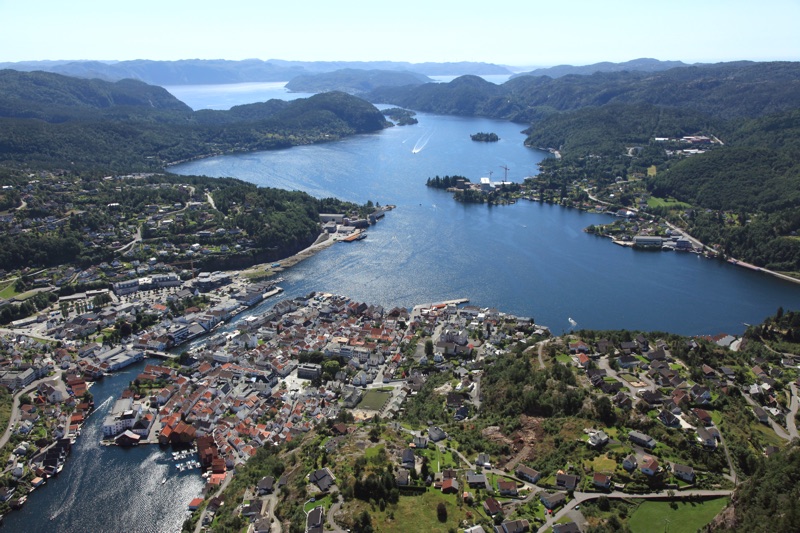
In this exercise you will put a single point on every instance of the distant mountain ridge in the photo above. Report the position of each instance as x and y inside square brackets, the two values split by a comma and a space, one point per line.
[219, 71]
[723, 90]
[643, 64]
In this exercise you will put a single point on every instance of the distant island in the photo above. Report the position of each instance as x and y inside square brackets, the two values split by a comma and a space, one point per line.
[401, 117]
[355, 81]
[485, 137]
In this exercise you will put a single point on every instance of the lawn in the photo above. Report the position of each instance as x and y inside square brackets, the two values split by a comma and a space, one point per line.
[564, 359]
[8, 291]
[688, 517]
[602, 463]
[374, 400]
[769, 435]
[669, 203]
[438, 460]
[324, 502]
[419, 511]
[372, 451]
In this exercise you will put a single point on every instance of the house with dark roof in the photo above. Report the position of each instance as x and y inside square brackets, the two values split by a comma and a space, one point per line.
[408, 459]
[527, 473]
[552, 500]
[476, 481]
[628, 361]
[401, 478]
[315, 519]
[568, 527]
[566, 481]
[642, 439]
[513, 526]
[322, 478]
[266, 485]
[668, 419]
[761, 415]
[492, 506]
[683, 472]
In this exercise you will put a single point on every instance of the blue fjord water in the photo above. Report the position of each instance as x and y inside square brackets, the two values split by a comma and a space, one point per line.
[529, 259]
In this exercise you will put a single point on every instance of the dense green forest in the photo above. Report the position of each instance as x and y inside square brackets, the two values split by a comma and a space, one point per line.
[768, 500]
[50, 120]
[724, 90]
[610, 128]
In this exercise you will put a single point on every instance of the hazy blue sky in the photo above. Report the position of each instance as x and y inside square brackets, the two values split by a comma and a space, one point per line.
[519, 32]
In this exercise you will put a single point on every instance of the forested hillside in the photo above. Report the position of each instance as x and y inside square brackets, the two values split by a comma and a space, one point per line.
[725, 90]
[48, 119]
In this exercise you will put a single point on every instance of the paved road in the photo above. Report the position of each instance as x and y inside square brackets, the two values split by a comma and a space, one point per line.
[777, 428]
[330, 519]
[541, 354]
[581, 497]
[14, 418]
[791, 425]
[222, 487]
[732, 475]
[604, 364]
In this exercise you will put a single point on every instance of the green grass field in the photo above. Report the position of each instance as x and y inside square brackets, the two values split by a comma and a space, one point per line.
[325, 502]
[374, 400]
[670, 203]
[687, 517]
[417, 513]
[602, 463]
[8, 291]
[372, 451]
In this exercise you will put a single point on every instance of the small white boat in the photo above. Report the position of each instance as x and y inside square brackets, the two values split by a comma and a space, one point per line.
[163, 481]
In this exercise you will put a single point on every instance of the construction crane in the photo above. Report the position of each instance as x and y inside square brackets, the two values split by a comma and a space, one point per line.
[506, 174]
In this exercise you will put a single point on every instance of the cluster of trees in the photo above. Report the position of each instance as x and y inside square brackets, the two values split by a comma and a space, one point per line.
[767, 500]
[512, 386]
[446, 182]
[37, 302]
[485, 137]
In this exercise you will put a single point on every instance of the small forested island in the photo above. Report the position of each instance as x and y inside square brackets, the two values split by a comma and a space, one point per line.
[447, 182]
[401, 117]
[485, 137]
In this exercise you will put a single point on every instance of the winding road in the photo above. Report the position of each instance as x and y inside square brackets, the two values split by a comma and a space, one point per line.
[581, 497]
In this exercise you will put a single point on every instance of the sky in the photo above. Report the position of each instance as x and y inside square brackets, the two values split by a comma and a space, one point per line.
[516, 33]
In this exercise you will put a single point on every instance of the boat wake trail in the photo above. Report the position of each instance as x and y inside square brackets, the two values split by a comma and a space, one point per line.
[422, 142]
[572, 322]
